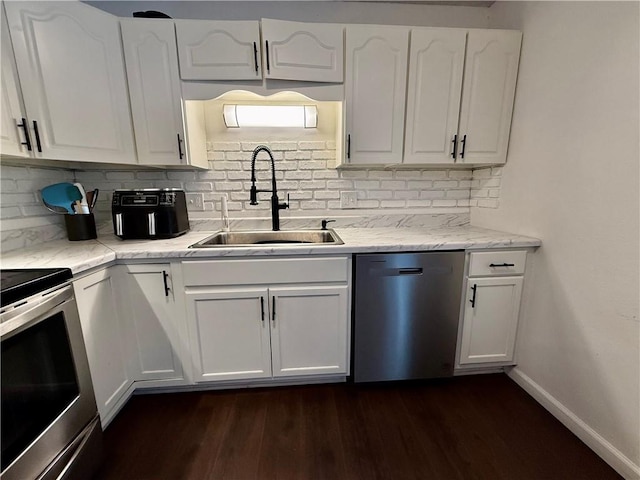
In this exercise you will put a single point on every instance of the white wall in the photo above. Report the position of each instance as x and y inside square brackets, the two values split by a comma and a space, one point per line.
[306, 11]
[572, 179]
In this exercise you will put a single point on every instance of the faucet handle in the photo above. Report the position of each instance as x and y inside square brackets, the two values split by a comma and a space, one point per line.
[325, 222]
[282, 206]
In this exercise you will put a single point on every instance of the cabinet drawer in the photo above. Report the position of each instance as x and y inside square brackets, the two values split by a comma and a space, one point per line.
[263, 271]
[497, 263]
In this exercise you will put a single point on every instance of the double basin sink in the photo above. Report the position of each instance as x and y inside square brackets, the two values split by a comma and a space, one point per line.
[267, 237]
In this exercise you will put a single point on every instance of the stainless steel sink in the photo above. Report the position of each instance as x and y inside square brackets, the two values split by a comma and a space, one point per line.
[267, 237]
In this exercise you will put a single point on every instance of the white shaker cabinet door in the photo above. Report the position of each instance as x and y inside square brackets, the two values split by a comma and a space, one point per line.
[105, 339]
[490, 320]
[69, 58]
[303, 51]
[229, 334]
[436, 63]
[375, 89]
[13, 123]
[212, 50]
[149, 307]
[309, 330]
[154, 87]
[491, 70]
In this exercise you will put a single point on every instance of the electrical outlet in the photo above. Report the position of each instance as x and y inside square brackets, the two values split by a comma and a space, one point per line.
[348, 199]
[195, 202]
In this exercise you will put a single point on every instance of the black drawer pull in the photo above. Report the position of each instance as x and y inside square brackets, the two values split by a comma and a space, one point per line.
[262, 308]
[455, 146]
[473, 299]
[166, 286]
[493, 265]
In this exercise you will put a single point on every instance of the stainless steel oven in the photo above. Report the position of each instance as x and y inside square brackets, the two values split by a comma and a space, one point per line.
[50, 427]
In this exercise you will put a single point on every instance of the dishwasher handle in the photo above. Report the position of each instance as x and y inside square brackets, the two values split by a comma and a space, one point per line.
[410, 271]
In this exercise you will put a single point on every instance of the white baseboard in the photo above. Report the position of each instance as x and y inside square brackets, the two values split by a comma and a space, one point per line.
[618, 461]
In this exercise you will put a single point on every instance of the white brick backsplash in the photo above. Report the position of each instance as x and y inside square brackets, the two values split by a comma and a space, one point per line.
[313, 205]
[168, 184]
[394, 184]
[392, 203]
[496, 171]
[8, 186]
[277, 146]
[19, 198]
[198, 186]
[488, 202]
[288, 185]
[323, 155]
[355, 174]
[10, 212]
[137, 184]
[334, 205]
[297, 155]
[325, 195]
[408, 174]
[457, 194]
[185, 176]
[479, 193]
[151, 175]
[380, 174]
[299, 195]
[444, 203]
[406, 194]
[366, 184]
[482, 172]
[445, 184]
[224, 165]
[434, 174]
[234, 156]
[464, 202]
[340, 184]
[120, 175]
[460, 174]
[311, 145]
[205, 175]
[494, 193]
[313, 185]
[432, 194]
[419, 184]
[368, 203]
[299, 175]
[312, 165]
[226, 146]
[331, 145]
[215, 155]
[325, 174]
[228, 186]
[380, 194]
[418, 203]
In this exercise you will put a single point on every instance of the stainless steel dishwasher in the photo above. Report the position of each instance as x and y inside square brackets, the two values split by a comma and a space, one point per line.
[407, 308]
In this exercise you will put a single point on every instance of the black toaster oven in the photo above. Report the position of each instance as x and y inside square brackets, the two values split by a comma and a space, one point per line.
[149, 213]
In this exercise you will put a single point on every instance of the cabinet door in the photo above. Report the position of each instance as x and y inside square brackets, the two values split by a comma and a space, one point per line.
[375, 88]
[69, 58]
[154, 88]
[436, 62]
[303, 51]
[309, 329]
[11, 107]
[210, 50]
[149, 307]
[490, 320]
[491, 70]
[229, 334]
[105, 339]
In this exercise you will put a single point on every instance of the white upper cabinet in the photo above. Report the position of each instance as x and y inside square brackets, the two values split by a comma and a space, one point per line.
[211, 50]
[154, 88]
[303, 51]
[14, 135]
[491, 70]
[69, 58]
[375, 91]
[436, 63]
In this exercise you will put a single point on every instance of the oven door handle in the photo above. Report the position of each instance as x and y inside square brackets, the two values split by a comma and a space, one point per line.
[24, 316]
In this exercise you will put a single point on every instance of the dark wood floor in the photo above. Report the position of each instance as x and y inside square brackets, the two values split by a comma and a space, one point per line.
[477, 427]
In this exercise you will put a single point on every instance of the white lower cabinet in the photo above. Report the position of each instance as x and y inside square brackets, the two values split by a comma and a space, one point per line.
[491, 308]
[105, 338]
[270, 330]
[153, 321]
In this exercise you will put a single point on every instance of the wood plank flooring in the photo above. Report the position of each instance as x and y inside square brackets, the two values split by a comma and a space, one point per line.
[475, 427]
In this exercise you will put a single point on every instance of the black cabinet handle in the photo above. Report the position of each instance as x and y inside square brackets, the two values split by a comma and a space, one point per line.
[35, 129]
[262, 308]
[180, 147]
[349, 146]
[273, 309]
[464, 143]
[27, 139]
[493, 265]
[473, 299]
[268, 66]
[255, 55]
[166, 286]
[455, 146]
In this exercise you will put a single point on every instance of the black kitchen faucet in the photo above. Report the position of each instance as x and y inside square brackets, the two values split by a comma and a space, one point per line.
[276, 206]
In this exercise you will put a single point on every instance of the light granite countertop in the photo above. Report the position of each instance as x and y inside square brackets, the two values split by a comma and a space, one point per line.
[84, 255]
